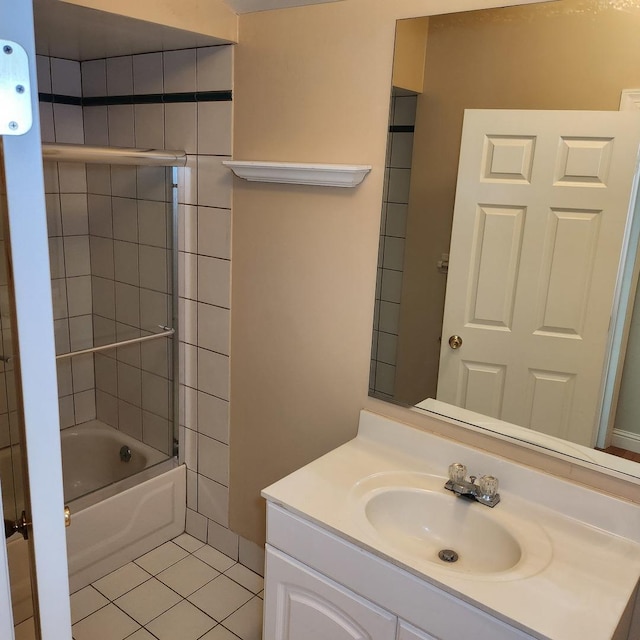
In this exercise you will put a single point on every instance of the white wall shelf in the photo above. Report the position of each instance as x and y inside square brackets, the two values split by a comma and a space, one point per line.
[324, 175]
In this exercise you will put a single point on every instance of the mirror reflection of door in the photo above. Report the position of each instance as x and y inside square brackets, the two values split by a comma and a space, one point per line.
[570, 55]
[538, 228]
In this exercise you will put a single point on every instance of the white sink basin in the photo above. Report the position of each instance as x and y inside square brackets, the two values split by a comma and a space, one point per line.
[414, 518]
[422, 523]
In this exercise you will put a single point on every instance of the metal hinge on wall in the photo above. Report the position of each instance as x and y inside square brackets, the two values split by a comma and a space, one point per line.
[16, 117]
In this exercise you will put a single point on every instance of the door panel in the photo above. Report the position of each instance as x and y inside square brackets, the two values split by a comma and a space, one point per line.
[539, 221]
[33, 348]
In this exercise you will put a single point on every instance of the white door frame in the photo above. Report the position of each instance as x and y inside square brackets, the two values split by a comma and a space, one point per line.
[29, 248]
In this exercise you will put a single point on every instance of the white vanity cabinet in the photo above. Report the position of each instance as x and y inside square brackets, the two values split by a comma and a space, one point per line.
[319, 586]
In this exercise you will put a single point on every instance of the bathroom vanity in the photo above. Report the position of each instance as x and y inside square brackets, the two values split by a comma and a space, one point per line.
[353, 541]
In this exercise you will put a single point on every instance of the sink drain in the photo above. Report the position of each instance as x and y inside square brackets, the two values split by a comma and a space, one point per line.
[448, 555]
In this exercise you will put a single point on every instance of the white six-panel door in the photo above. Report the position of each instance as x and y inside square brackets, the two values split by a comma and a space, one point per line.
[541, 207]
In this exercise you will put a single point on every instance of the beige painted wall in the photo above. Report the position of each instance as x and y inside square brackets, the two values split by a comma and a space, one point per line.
[409, 52]
[209, 17]
[313, 84]
[573, 59]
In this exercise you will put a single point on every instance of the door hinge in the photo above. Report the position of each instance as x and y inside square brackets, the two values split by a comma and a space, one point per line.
[16, 117]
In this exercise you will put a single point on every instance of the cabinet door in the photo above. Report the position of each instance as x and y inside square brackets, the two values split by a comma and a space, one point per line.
[301, 604]
[407, 632]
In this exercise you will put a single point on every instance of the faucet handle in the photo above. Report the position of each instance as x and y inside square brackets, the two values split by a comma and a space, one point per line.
[488, 486]
[457, 472]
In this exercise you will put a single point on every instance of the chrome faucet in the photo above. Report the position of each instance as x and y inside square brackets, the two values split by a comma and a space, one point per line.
[485, 492]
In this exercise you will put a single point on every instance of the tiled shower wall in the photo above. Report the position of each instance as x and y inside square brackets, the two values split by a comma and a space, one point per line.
[181, 100]
[391, 252]
[68, 226]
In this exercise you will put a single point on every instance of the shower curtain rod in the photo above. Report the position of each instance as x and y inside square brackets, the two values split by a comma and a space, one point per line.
[113, 155]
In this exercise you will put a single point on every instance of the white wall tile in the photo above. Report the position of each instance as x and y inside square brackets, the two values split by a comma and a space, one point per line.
[213, 373]
[99, 179]
[125, 258]
[214, 281]
[215, 128]
[129, 384]
[65, 377]
[61, 334]
[389, 317]
[156, 433]
[75, 216]
[96, 125]
[65, 77]
[107, 408]
[130, 419]
[147, 73]
[189, 365]
[54, 216]
[104, 330]
[120, 76]
[102, 257]
[214, 182]
[213, 500]
[69, 123]
[190, 448]
[100, 216]
[79, 295]
[104, 297]
[76, 256]
[106, 374]
[152, 184]
[215, 68]
[72, 177]
[125, 219]
[124, 181]
[50, 171]
[94, 78]
[65, 412]
[196, 525]
[154, 310]
[213, 459]
[213, 417]
[391, 285]
[188, 311]
[180, 71]
[214, 232]
[188, 228]
[83, 373]
[81, 332]
[189, 407]
[121, 125]
[393, 253]
[213, 328]
[188, 275]
[153, 268]
[180, 126]
[251, 555]
[47, 127]
[155, 355]
[222, 539]
[43, 66]
[149, 126]
[153, 221]
[192, 497]
[155, 394]
[127, 304]
[59, 298]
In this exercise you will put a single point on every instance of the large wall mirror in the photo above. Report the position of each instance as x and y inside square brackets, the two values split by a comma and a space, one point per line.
[507, 270]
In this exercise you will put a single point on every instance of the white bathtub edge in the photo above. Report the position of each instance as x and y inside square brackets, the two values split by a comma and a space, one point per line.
[107, 535]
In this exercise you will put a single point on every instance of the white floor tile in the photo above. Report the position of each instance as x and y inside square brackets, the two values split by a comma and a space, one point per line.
[247, 578]
[214, 558]
[246, 622]
[85, 602]
[220, 597]
[122, 580]
[187, 576]
[161, 557]
[219, 633]
[188, 543]
[109, 623]
[183, 622]
[149, 600]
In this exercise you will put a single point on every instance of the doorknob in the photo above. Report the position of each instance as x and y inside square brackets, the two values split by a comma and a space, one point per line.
[67, 516]
[455, 342]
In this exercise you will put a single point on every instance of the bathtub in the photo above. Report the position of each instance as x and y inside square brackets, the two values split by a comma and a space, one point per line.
[143, 506]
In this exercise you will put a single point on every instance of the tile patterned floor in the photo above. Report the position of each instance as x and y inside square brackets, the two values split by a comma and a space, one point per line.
[182, 590]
